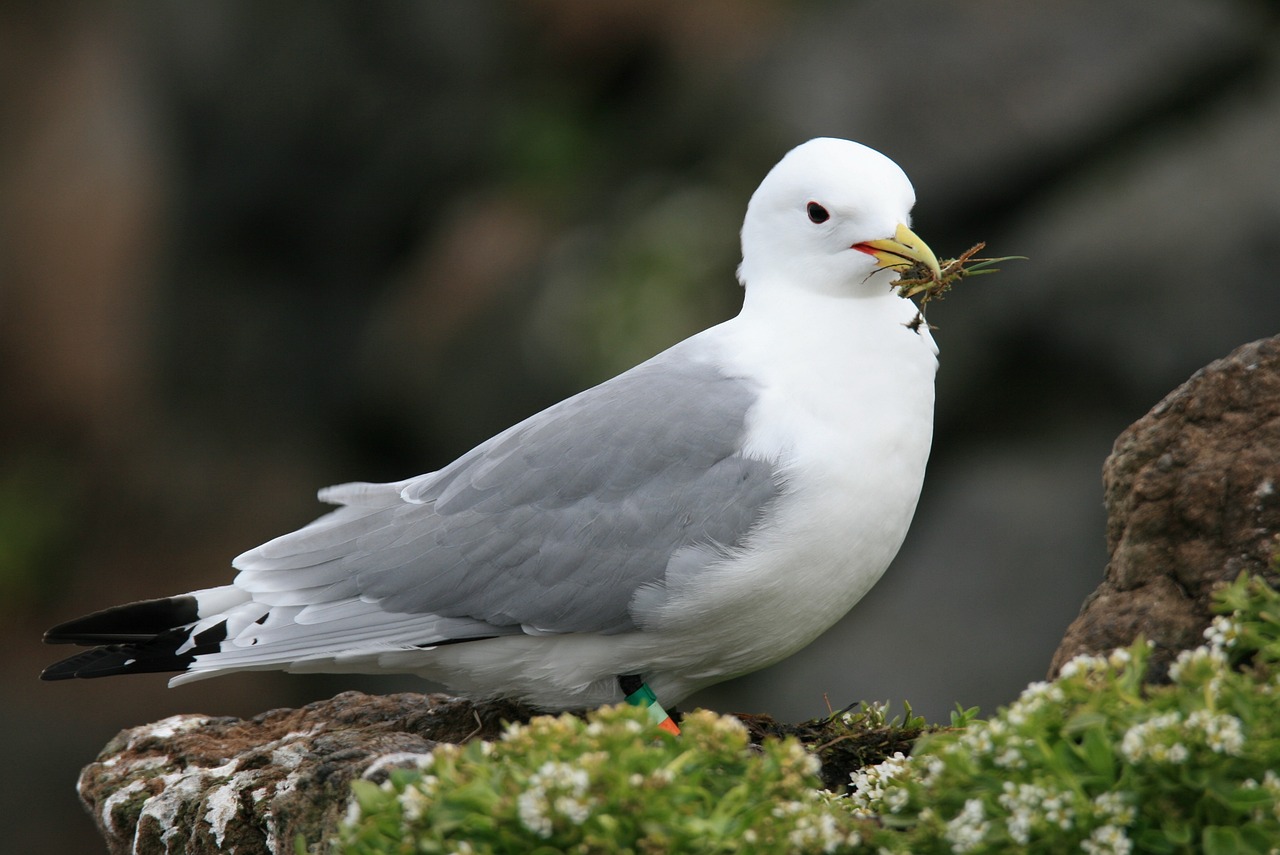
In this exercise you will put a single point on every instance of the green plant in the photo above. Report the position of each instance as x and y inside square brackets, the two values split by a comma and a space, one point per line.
[610, 784]
[1099, 762]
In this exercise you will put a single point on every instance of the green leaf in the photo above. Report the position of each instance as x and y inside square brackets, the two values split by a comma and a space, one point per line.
[1098, 753]
[1223, 840]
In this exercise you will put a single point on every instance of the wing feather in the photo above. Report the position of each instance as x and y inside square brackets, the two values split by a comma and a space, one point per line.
[555, 523]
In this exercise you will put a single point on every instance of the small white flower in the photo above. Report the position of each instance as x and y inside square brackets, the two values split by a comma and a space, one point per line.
[1019, 824]
[1010, 758]
[1107, 840]
[1222, 633]
[535, 805]
[896, 799]
[1057, 811]
[1224, 734]
[1195, 658]
[1119, 658]
[572, 809]
[534, 811]
[1042, 691]
[413, 803]
[1082, 664]
[870, 784]
[969, 828]
[933, 769]
[1114, 807]
[1148, 739]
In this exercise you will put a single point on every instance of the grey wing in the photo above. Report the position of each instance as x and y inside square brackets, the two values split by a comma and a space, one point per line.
[551, 526]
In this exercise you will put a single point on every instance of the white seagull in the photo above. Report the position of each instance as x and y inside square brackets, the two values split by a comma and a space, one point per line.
[703, 515]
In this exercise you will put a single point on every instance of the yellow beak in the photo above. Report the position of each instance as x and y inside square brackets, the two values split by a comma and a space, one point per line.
[902, 251]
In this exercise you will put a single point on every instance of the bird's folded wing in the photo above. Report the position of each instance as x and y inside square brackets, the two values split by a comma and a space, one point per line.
[551, 526]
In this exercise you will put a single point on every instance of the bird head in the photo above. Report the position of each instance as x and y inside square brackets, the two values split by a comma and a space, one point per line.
[831, 215]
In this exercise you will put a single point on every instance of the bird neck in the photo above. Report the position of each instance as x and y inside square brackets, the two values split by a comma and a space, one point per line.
[864, 312]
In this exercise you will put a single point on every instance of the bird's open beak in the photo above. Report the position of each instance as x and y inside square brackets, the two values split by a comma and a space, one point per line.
[901, 251]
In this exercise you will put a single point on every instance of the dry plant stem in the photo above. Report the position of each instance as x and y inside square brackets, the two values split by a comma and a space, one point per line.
[919, 281]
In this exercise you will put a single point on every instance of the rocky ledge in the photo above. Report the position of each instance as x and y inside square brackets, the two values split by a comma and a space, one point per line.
[194, 783]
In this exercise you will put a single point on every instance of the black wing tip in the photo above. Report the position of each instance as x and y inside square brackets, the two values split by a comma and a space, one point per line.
[115, 659]
[147, 654]
[130, 623]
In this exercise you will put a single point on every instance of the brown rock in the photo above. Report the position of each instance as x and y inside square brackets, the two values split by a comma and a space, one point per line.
[194, 784]
[1193, 499]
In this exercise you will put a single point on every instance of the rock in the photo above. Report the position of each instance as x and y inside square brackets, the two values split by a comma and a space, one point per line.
[1192, 493]
[194, 784]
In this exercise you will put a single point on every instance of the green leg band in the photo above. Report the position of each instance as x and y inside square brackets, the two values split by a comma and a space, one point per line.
[644, 697]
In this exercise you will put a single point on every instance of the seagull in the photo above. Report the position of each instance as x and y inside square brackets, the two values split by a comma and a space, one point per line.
[703, 515]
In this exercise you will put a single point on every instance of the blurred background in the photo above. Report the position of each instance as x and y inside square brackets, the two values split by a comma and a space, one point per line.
[248, 249]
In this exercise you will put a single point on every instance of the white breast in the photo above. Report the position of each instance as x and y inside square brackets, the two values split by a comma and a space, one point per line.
[846, 410]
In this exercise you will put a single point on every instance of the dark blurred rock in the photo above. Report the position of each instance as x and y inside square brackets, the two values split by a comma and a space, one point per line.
[1193, 500]
[198, 784]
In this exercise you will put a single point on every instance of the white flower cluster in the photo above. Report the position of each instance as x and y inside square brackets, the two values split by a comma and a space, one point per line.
[1031, 805]
[1034, 807]
[1034, 698]
[1107, 840]
[597, 728]
[1222, 633]
[805, 759]
[812, 826]
[873, 712]
[1115, 808]
[1155, 739]
[969, 828]
[555, 789]
[1164, 738]
[999, 741]
[1200, 659]
[877, 789]
[1224, 734]
[416, 797]
[1084, 664]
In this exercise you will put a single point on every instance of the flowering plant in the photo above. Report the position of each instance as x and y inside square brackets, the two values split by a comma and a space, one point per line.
[1099, 762]
[611, 783]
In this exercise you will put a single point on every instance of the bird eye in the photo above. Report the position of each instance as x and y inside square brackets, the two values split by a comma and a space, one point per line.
[817, 213]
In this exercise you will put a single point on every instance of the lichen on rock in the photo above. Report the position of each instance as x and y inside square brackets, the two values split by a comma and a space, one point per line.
[194, 784]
